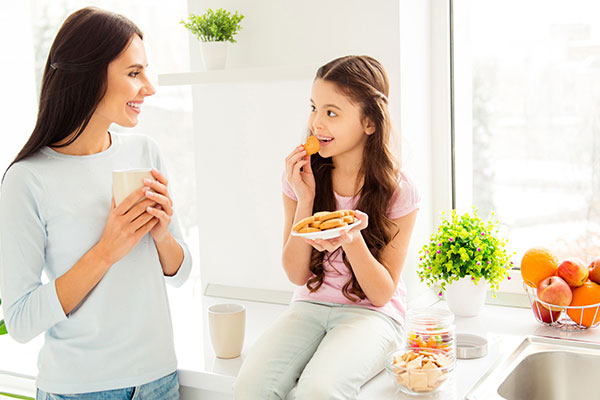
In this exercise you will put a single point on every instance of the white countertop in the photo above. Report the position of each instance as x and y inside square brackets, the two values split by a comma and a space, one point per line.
[504, 327]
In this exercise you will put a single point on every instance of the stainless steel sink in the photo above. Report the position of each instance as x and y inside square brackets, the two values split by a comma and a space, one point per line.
[543, 369]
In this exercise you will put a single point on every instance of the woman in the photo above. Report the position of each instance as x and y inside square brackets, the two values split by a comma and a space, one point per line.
[104, 311]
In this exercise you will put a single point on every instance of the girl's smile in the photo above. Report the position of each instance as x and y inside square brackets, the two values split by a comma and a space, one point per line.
[324, 140]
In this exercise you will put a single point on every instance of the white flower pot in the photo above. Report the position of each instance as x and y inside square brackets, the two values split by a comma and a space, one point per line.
[465, 298]
[214, 55]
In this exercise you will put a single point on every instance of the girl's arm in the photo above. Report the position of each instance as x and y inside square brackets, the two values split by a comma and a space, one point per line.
[296, 253]
[379, 280]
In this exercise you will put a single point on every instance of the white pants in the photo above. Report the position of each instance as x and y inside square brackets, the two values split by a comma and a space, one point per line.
[330, 349]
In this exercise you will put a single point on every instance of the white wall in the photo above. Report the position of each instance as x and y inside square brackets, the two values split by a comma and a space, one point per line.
[244, 131]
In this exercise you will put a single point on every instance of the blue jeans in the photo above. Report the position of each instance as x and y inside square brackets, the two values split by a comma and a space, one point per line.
[165, 388]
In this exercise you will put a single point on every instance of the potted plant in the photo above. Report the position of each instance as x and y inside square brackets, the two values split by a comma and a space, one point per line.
[215, 29]
[463, 251]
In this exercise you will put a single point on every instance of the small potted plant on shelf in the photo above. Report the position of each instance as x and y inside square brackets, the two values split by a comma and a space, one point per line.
[462, 252]
[215, 29]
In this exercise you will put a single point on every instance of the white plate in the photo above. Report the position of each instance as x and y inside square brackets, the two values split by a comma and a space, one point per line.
[326, 234]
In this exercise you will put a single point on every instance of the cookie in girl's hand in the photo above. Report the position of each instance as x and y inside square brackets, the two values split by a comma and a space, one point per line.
[312, 145]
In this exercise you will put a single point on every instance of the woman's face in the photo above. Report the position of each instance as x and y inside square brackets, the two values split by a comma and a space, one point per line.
[127, 86]
[336, 121]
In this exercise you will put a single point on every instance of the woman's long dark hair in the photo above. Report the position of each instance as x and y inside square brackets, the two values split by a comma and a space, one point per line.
[75, 76]
[364, 80]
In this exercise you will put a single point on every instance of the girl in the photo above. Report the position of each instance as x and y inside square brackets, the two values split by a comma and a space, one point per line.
[349, 309]
[104, 310]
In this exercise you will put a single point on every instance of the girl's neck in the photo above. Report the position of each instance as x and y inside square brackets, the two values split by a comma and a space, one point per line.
[94, 139]
[346, 179]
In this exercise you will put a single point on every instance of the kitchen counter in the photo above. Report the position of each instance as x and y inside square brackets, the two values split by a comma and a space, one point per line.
[202, 373]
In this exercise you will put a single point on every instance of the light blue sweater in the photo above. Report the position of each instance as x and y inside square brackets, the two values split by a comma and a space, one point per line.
[53, 209]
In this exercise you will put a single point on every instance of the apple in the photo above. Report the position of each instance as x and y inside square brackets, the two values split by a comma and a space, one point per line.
[543, 314]
[573, 271]
[556, 291]
[594, 270]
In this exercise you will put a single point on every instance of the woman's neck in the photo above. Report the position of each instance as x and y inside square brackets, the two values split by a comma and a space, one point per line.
[94, 139]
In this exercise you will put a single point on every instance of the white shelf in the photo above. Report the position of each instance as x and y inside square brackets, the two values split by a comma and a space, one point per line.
[279, 73]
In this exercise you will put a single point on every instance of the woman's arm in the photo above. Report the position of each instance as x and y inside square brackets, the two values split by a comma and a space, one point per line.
[379, 280]
[296, 253]
[124, 228]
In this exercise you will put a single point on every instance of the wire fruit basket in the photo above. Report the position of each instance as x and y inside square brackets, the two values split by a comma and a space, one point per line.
[567, 318]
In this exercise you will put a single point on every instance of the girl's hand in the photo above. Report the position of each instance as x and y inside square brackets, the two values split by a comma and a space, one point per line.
[126, 225]
[346, 236]
[299, 174]
[163, 210]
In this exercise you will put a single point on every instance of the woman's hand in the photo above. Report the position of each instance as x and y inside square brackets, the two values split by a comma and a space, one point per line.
[126, 225]
[298, 173]
[346, 236]
[163, 210]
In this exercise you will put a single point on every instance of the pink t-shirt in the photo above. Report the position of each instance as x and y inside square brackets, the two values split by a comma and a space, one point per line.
[404, 201]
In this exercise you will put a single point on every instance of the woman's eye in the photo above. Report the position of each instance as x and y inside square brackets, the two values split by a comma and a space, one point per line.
[313, 108]
[134, 74]
[331, 114]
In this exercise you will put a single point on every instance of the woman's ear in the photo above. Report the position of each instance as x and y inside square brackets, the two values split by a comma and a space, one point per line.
[368, 126]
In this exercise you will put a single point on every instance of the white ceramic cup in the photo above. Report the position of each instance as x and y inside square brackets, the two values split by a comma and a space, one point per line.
[126, 181]
[227, 325]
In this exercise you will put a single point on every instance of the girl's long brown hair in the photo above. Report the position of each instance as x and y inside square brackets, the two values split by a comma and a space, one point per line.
[364, 80]
[75, 76]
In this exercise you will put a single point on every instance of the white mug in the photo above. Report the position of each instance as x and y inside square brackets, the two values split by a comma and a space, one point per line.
[126, 181]
[227, 325]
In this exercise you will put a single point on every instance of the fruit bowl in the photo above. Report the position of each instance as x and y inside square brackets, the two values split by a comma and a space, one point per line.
[567, 318]
[419, 371]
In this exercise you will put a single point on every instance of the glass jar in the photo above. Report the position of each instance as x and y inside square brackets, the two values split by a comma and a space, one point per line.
[431, 328]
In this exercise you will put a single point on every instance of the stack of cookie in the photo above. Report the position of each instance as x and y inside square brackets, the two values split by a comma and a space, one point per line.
[324, 220]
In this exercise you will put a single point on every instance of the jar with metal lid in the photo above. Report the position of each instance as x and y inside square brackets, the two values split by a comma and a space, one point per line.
[431, 328]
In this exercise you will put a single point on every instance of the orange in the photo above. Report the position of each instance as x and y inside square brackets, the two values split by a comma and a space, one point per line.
[537, 264]
[585, 295]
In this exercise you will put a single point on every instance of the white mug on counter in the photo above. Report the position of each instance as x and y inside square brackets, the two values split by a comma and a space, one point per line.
[227, 325]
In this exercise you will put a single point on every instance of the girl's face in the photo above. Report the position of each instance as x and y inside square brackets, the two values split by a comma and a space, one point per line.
[127, 86]
[336, 121]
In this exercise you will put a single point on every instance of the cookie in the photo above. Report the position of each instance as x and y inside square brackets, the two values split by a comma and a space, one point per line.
[320, 214]
[303, 223]
[315, 224]
[331, 215]
[332, 223]
[309, 229]
[312, 145]
[348, 219]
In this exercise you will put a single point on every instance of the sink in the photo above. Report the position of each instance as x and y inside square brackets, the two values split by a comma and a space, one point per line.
[543, 369]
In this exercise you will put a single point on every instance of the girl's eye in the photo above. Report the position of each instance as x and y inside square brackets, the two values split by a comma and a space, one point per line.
[134, 74]
[331, 114]
[313, 108]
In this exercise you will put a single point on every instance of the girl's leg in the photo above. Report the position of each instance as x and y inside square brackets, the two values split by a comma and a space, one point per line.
[351, 353]
[277, 359]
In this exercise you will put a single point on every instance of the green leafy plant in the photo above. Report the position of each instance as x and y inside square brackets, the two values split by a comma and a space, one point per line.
[2, 324]
[214, 26]
[16, 396]
[464, 245]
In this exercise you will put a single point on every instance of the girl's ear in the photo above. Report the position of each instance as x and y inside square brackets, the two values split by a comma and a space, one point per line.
[368, 126]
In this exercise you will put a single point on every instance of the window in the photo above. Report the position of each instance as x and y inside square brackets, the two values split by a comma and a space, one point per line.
[527, 120]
